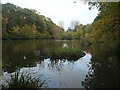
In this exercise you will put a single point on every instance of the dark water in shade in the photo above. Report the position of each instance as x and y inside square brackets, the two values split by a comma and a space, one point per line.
[98, 68]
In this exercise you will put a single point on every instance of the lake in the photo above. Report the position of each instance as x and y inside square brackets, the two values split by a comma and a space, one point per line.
[97, 68]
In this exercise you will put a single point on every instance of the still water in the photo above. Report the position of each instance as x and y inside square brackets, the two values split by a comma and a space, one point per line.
[97, 68]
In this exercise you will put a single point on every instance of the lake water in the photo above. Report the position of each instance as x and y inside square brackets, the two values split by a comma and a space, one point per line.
[98, 68]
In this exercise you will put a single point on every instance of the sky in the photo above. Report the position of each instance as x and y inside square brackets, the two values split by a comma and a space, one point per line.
[60, 10]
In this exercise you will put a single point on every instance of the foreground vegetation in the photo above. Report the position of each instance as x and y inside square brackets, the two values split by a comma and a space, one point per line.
[24, 80]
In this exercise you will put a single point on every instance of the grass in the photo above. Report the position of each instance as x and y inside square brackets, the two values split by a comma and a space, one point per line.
[62, 53]
[24, 80]
[66, 51]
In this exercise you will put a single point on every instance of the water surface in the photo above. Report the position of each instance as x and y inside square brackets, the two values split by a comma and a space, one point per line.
[98, 68]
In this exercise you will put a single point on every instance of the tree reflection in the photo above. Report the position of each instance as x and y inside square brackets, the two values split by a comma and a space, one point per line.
[103, 72]
[36, 51]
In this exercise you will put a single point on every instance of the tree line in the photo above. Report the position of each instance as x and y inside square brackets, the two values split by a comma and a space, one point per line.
[23, 23]
[104, 29]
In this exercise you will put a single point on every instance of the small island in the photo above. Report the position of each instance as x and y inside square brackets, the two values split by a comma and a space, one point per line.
[61, 53]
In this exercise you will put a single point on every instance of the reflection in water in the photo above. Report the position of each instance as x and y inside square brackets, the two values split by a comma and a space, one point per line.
[96, 69]
[17, 54]
[65, 45]
[103, 72]
[63, 73]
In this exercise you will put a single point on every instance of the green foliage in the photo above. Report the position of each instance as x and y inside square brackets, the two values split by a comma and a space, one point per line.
[105, 34]
[24, 80]
[79, 32]
[63, 53]
[66, 51]
[107, 28]
[5, 35]
[23, 23]
[53, 30]
[67, 35]
[44, 35]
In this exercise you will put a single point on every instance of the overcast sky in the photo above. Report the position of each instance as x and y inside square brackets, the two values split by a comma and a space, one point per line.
[59, 10]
